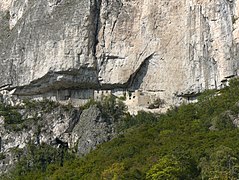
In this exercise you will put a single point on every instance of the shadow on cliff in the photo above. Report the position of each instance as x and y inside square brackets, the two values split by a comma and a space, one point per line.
[137, 77]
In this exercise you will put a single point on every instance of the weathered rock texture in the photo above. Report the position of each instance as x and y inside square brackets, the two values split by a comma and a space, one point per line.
[80, 130]
[166, 47]
[92, 130]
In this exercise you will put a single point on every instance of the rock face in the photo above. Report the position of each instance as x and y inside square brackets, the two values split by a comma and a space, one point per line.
[166, 47]
[74, 48]
[81, 130]
[169, 47]
[50, 45]
[91, 130]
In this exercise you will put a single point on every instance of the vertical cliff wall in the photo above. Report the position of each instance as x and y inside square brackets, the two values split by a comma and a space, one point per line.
[169, 48]
[180, 47]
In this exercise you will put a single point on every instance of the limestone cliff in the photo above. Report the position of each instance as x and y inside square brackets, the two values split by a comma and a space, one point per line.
[52, 124]
[169, 48]
[72, 49]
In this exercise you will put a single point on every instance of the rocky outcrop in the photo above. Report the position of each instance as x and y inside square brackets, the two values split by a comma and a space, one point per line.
[50, 46]
[76, 129]
[171, 48]
[168, 50]
[189, 45]
[92, 130]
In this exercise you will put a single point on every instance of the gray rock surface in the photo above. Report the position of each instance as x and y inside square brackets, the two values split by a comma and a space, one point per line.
[170, 49]
[166, 47]
[81, 130]
[92, 130]
[50, 45]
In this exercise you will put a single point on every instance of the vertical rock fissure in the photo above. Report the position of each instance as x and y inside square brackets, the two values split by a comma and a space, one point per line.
[117, 16]
[96, 15]
[75, 117]
[95, 12]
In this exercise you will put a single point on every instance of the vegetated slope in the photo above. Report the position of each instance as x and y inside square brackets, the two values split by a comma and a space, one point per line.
[194, 141]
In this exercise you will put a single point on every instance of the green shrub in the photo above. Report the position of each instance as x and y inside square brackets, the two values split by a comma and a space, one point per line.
[44, 105]
[12, 118]
[222, 164]
[114, 172]
[90, 103]
[168, 167]
[223, 121]
[2, 156]
[158, 103]
[111, 107]
[176, 145]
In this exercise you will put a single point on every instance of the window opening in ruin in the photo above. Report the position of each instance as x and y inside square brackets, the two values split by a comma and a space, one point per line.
[130, 94]
[67, 97]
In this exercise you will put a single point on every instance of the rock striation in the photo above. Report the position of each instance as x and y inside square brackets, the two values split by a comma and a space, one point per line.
[75, 50]
[92, 130]
[171, 48]
[81, 130]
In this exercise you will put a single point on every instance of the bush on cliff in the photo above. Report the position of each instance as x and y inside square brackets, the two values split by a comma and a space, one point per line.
[193, 141]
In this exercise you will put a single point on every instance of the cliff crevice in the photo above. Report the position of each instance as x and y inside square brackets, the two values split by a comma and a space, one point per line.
[105, 43]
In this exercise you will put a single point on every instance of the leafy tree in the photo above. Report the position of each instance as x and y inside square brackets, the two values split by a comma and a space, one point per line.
[114, 172]
[183, 137]
[222, 164]
[112, 107]
[167, 168]
[223, 121]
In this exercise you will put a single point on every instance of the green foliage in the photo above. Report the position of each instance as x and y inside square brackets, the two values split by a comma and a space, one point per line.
[168, 167]
[223, 121]
[2, 156]
[14, 121]
[67, 107]
[111, 107]
[113, 172]
[157, 104]
[141, 118]
[44, 105]
[207, 95]
[222, 164]
[123, 98]
[90, 103]
[193, 141]
[12, 118]
[38, 160]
